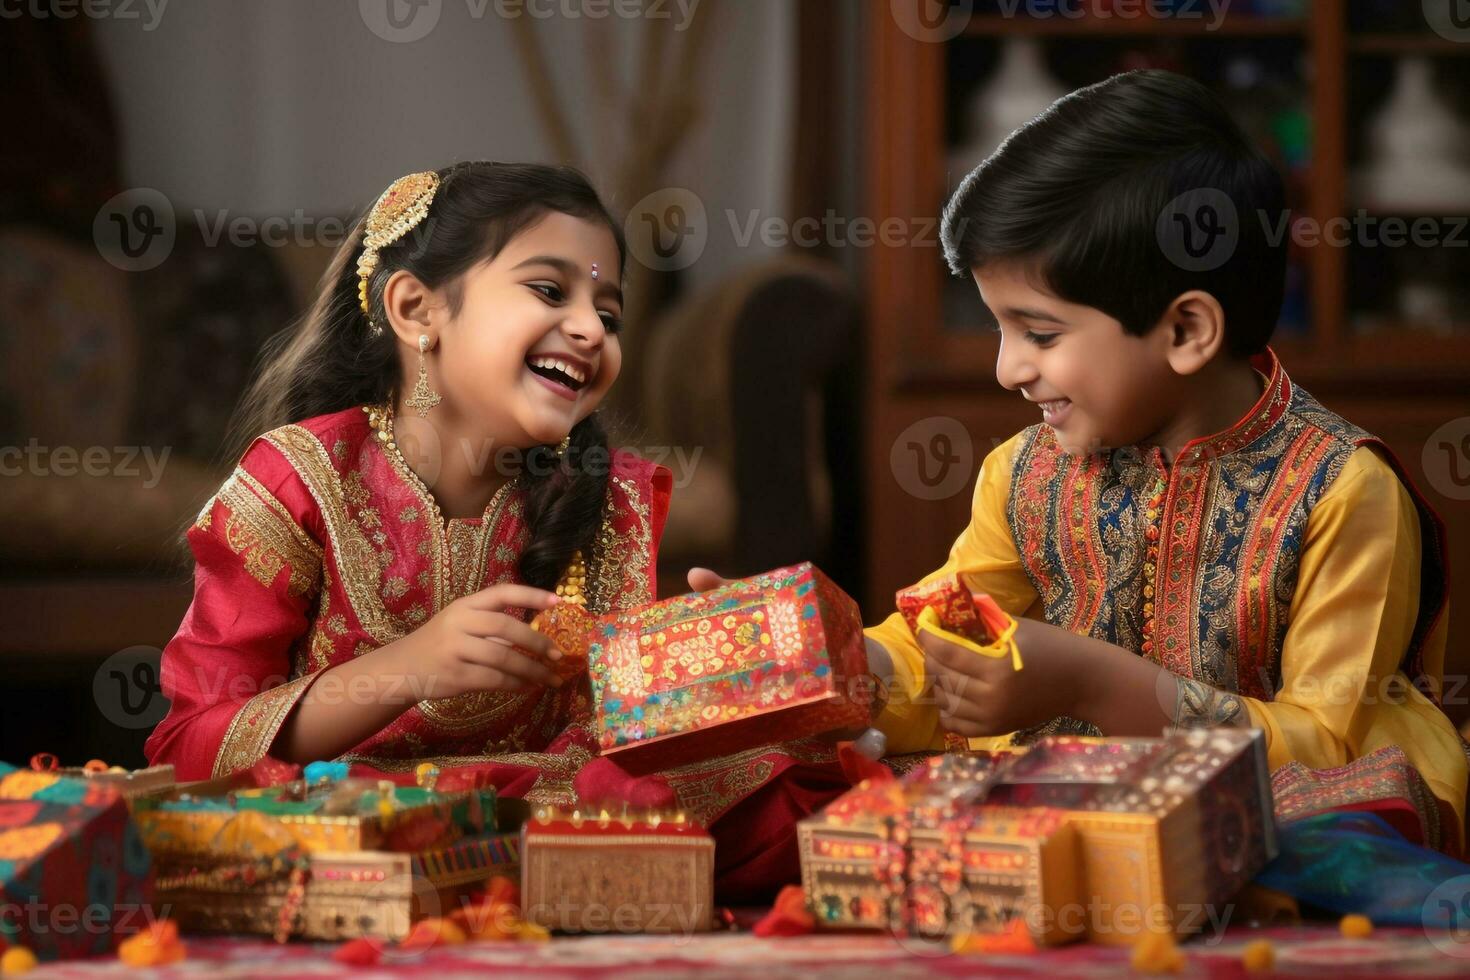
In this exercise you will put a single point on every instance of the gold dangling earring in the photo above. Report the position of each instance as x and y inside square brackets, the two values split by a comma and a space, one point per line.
[561, 447]
[424, 397]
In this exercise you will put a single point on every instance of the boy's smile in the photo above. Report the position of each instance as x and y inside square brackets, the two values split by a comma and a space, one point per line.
[1100, 387]
[1095, 384]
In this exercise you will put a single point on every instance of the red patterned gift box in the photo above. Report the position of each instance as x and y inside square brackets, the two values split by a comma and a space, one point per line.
[974, 616]
[946, 603]
[775, 656]
[75, 876]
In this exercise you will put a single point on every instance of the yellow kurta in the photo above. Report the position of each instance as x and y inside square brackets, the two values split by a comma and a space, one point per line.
[1351, 619]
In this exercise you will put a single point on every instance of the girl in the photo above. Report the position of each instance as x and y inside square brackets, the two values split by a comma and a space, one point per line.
[342, 610]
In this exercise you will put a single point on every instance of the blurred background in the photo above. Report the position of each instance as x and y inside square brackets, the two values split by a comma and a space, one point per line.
[177, 175]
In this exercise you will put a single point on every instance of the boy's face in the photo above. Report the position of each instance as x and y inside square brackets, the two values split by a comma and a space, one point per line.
[1096, 385]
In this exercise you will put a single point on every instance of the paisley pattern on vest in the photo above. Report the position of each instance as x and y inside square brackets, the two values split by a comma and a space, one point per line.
[1234, 520]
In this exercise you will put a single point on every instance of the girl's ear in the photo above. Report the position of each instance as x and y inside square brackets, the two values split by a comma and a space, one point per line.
[410, 307]
[1195, 327]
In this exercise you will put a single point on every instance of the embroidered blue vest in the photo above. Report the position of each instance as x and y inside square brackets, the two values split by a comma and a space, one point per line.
[1228, 540]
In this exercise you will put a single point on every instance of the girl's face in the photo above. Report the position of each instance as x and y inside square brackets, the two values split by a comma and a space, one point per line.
[534, 347]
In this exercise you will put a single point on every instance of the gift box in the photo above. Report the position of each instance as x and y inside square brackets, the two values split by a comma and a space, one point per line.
[920, 856]
[778, 655]
[946, 607]
[974, 616]
[74, 873]
[334, 895]
[634, 872]
[1169, 828]
[348, 815]
[131, 784]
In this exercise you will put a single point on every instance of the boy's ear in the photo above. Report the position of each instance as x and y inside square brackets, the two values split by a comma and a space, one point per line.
[409, 305]
[1194, 325]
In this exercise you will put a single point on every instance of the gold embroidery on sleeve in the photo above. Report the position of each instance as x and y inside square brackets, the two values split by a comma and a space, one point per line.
[263, 533]
[255, 725]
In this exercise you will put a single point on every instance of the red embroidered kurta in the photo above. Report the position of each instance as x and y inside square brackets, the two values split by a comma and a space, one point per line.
[323, 545]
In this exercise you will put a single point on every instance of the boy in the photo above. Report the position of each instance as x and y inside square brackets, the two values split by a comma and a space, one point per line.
[1187, 537]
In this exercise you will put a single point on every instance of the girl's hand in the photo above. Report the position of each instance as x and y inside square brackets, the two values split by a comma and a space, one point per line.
[472, 644]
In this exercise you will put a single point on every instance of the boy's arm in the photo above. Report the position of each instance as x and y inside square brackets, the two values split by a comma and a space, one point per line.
[985, 554]
[1352, 617]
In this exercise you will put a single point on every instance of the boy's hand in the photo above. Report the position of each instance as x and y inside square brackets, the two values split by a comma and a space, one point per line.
[704, 579]
[979, 695]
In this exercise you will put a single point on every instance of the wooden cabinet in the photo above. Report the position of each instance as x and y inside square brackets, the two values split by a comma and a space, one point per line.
[926, 361]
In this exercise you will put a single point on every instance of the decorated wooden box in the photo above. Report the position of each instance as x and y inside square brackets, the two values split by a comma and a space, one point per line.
[350, 815]
[920, 857]
[130, 783]
[1170, 828]
[74, 874]
[633, 872]
[777, 655]
[335, 895]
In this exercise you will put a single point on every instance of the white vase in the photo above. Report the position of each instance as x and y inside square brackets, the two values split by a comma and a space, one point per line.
[1416, 148]
[1020, 90]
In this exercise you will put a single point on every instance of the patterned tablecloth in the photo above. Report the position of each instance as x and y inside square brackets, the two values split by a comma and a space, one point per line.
[1303, 951]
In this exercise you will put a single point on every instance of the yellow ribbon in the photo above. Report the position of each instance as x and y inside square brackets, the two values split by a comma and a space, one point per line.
[1003, 645]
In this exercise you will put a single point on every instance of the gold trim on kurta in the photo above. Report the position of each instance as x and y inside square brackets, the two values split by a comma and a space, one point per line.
[710, 787]
[266, 537]
[255, 726]
[358, 560]
[620, 561]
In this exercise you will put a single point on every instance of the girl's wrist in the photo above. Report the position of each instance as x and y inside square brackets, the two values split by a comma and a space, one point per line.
[392, 667]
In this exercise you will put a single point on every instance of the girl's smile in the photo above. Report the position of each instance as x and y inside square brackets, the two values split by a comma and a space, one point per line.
[562, 374]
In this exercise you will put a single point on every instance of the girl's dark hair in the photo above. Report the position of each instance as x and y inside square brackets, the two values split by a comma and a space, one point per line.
[1087, 191]
[331, 361]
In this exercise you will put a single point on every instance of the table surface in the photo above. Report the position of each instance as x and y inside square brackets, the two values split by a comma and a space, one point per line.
[1305, 951]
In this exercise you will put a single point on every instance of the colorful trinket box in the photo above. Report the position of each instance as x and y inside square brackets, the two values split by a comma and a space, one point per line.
[346, 815]
[74, 874]
[1169, 828]
[335, 895]
[921, 857]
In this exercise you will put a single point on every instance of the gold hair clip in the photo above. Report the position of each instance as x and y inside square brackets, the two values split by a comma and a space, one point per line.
[402, 206]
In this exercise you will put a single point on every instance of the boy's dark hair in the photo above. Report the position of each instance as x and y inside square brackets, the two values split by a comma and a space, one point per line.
[1080, 190]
